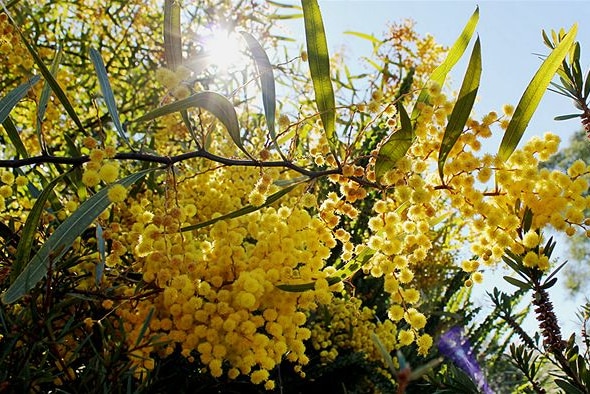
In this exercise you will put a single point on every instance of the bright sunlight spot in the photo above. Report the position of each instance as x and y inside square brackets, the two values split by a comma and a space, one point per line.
[224, 50]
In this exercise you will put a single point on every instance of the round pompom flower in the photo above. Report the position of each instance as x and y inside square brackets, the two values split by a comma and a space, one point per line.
[117, 193]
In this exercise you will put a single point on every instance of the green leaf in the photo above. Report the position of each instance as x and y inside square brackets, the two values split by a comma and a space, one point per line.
[107, 93]
[547, 40]
[144, 326]
[101, 255]
[319, 66]
[439, 75]
[213, 102]
[462, 107]
[397, 144]
[29, 231]
[8, 102]
[384, 353]
[172, 35]
[406, 84]
[242, 211]
[364, 36]
[44, 99]
[62, 239]
[527, 220]
[532, 95]
[14, 137]
[341, 274]
[283, 5]
[518, 283]
[567, 117]
[267, 83]
[50, 79]
[285, 17]
[577, 69]
[568, 387]
[549, 283]
[587, 85]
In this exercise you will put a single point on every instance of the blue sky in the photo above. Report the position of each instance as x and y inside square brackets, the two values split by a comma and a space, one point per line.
[510, 34]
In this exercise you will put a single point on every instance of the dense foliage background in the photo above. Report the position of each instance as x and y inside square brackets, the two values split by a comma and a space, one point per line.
[180, 218]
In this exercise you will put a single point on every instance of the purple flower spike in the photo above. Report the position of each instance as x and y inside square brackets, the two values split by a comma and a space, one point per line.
[455, 346]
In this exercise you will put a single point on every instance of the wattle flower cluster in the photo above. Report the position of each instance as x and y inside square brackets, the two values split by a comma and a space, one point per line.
[218, 298]
[345, 325]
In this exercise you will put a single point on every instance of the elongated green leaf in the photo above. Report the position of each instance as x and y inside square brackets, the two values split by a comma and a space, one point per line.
[213, 102]
[439, 75]
[341, 274]
[99, 270]
[44, 99]
[462, 107]
[532, 95]
[14, 137]
[144, 326]
[319, 66]
[242, 211]
[285, 17]
[11, 99]
[107, 93]
[587, 86]
[59, 93]
[267, 83]
[61, 240]
[364, 36]
[384, 353]
[567, 117]
[25, 245]
[397, 144]
[283, 5]
[172, 36]
[518, 283]
[547, 40]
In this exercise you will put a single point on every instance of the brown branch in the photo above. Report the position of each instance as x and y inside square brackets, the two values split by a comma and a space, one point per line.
[168, 161]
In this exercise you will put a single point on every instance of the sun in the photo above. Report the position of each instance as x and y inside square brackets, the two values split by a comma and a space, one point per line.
[225, 50]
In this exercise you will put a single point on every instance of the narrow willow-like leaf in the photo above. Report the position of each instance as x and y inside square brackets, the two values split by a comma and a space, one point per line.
[397, 144]
[62, 239]
[384, 353]
[527, 220]
[518, 283]
[341, 274]
[462, 107]
[44, 98]
[364, 36]
[213, 102]
[556, 271]
[549, 283]
[291, 181]
[587, 86]
[283, 5]
[172, 36]
[27, 237]
[577, 68]
[50, 79]
[267, 83]
[532, 95]
[100, 243]
[319, 67]
[547, 40]
[439, 75]
[242, 211]
[14, 137]
[107, 93]
[144, 326]
[8, 102]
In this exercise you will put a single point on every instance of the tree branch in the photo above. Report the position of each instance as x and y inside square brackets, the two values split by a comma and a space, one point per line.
[169, 161]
